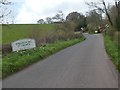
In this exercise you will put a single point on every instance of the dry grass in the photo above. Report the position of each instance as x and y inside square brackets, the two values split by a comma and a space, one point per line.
[42, 34]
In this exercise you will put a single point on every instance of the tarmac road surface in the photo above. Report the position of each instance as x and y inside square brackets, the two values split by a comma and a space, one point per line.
[84, 65]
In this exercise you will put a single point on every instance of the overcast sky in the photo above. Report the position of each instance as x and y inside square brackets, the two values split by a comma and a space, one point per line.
[29, 11]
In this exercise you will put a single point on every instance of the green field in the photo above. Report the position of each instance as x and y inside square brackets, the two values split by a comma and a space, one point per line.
[14, 32]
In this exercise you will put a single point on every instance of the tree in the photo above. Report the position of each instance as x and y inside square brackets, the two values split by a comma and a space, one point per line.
[41, 21]
[59, 17]
[94, 17]
[48, 20]
[78, 19]
[73, 16]
[117, 4]
[102, 9]
[114, 13]
[4, 12]
[5, 2]
[94, 20]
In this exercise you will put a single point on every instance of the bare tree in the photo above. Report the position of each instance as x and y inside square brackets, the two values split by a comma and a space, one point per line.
[48, 20]
[103, 9]
[5, 2]
[59, 17]
[41, 21]
[4, 10]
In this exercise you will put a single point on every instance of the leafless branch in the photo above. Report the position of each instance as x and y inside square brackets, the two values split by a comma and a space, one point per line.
[5, 2]
[104, 9]
[95, 5]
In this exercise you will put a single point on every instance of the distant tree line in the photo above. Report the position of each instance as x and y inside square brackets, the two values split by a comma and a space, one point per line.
[78, 19]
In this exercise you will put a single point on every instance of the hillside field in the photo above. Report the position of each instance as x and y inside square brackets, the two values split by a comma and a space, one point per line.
[15, 32]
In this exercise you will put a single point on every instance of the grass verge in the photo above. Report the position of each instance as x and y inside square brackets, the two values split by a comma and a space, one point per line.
[0, 66]
[113, 51]
[16, 61]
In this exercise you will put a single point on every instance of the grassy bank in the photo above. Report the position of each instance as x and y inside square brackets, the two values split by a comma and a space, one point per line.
[112, 50]
[16, 61]
[0, 66]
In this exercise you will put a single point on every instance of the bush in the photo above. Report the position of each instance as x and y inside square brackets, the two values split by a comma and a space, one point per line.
[6, 49]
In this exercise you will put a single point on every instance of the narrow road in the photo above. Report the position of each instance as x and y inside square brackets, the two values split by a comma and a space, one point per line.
[84, 65]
